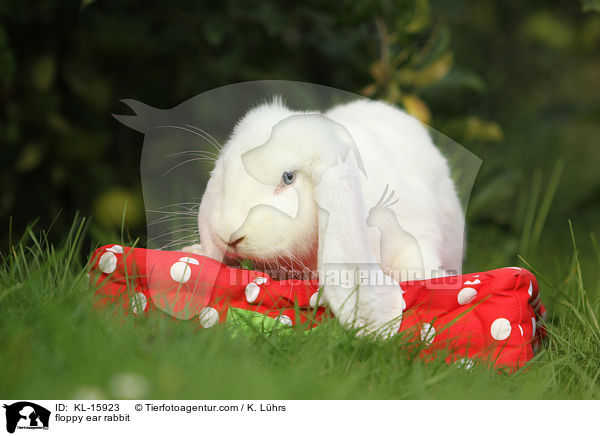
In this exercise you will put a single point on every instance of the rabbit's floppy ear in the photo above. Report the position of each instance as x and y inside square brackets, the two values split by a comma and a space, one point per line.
[342, 210]
[346, 138]
[346, 263]
[336, 151]
[311, 142]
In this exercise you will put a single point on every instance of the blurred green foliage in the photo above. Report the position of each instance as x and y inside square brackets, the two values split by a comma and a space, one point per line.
[515, 82]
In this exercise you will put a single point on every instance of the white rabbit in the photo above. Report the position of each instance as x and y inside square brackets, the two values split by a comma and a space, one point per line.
[303, 188]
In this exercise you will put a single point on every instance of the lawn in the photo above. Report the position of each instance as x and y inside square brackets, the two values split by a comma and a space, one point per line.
[515, 83]
[56, 345]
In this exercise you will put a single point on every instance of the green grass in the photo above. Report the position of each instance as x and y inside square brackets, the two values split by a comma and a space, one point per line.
[54, 344]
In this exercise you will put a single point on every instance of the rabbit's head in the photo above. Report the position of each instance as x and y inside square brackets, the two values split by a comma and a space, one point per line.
[259, 203]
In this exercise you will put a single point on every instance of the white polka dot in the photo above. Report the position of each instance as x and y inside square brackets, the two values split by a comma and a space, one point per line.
[208, 317]
[530, 291]
[513, 267]
[427, 333]
[465, 363]
[466, 295]
[189, 260]
[107, 263]
[284, 319]
[533, 325]
[474, 282]
[314, 300]
[500, 329]
[252, 291]
[115, 249]
[520, 328]
[260, 280]
[180, 272]
[138, 303]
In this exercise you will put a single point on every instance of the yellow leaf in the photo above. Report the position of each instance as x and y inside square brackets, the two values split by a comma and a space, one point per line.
[405, 76]
[109, 208]
[549, 29]
[478, 129]
[369, 90]
[380, 72]
[393, 93]
[434, 71]
[427, 75]
[421, 17]
[417, 108]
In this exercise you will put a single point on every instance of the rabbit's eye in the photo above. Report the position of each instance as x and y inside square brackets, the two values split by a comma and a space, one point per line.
[288, 177]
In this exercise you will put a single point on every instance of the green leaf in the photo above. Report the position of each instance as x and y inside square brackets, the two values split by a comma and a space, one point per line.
[43, 72]
[591, 6]
[249, 321]
[461, 78]
[550, 30]
[247, 264]
[421, 17]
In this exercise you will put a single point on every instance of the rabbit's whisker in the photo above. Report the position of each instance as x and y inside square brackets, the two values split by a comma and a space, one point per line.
[214, 141]
[195, 153]
[183, 163]
[195, 132]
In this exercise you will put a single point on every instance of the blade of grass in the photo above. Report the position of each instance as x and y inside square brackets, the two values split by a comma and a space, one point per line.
[530, 214]
[546, 203]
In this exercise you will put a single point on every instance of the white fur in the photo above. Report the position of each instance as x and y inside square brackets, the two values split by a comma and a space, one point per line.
[343, 159]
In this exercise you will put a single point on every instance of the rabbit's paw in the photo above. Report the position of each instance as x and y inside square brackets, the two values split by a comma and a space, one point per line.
[194, 249]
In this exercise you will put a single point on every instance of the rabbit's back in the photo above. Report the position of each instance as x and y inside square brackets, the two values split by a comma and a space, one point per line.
[397, 150]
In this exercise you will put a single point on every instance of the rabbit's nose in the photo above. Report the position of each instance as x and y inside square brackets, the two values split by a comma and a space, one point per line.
[233, 244]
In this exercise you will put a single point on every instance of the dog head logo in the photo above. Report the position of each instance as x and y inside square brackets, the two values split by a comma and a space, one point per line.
[26, 415]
